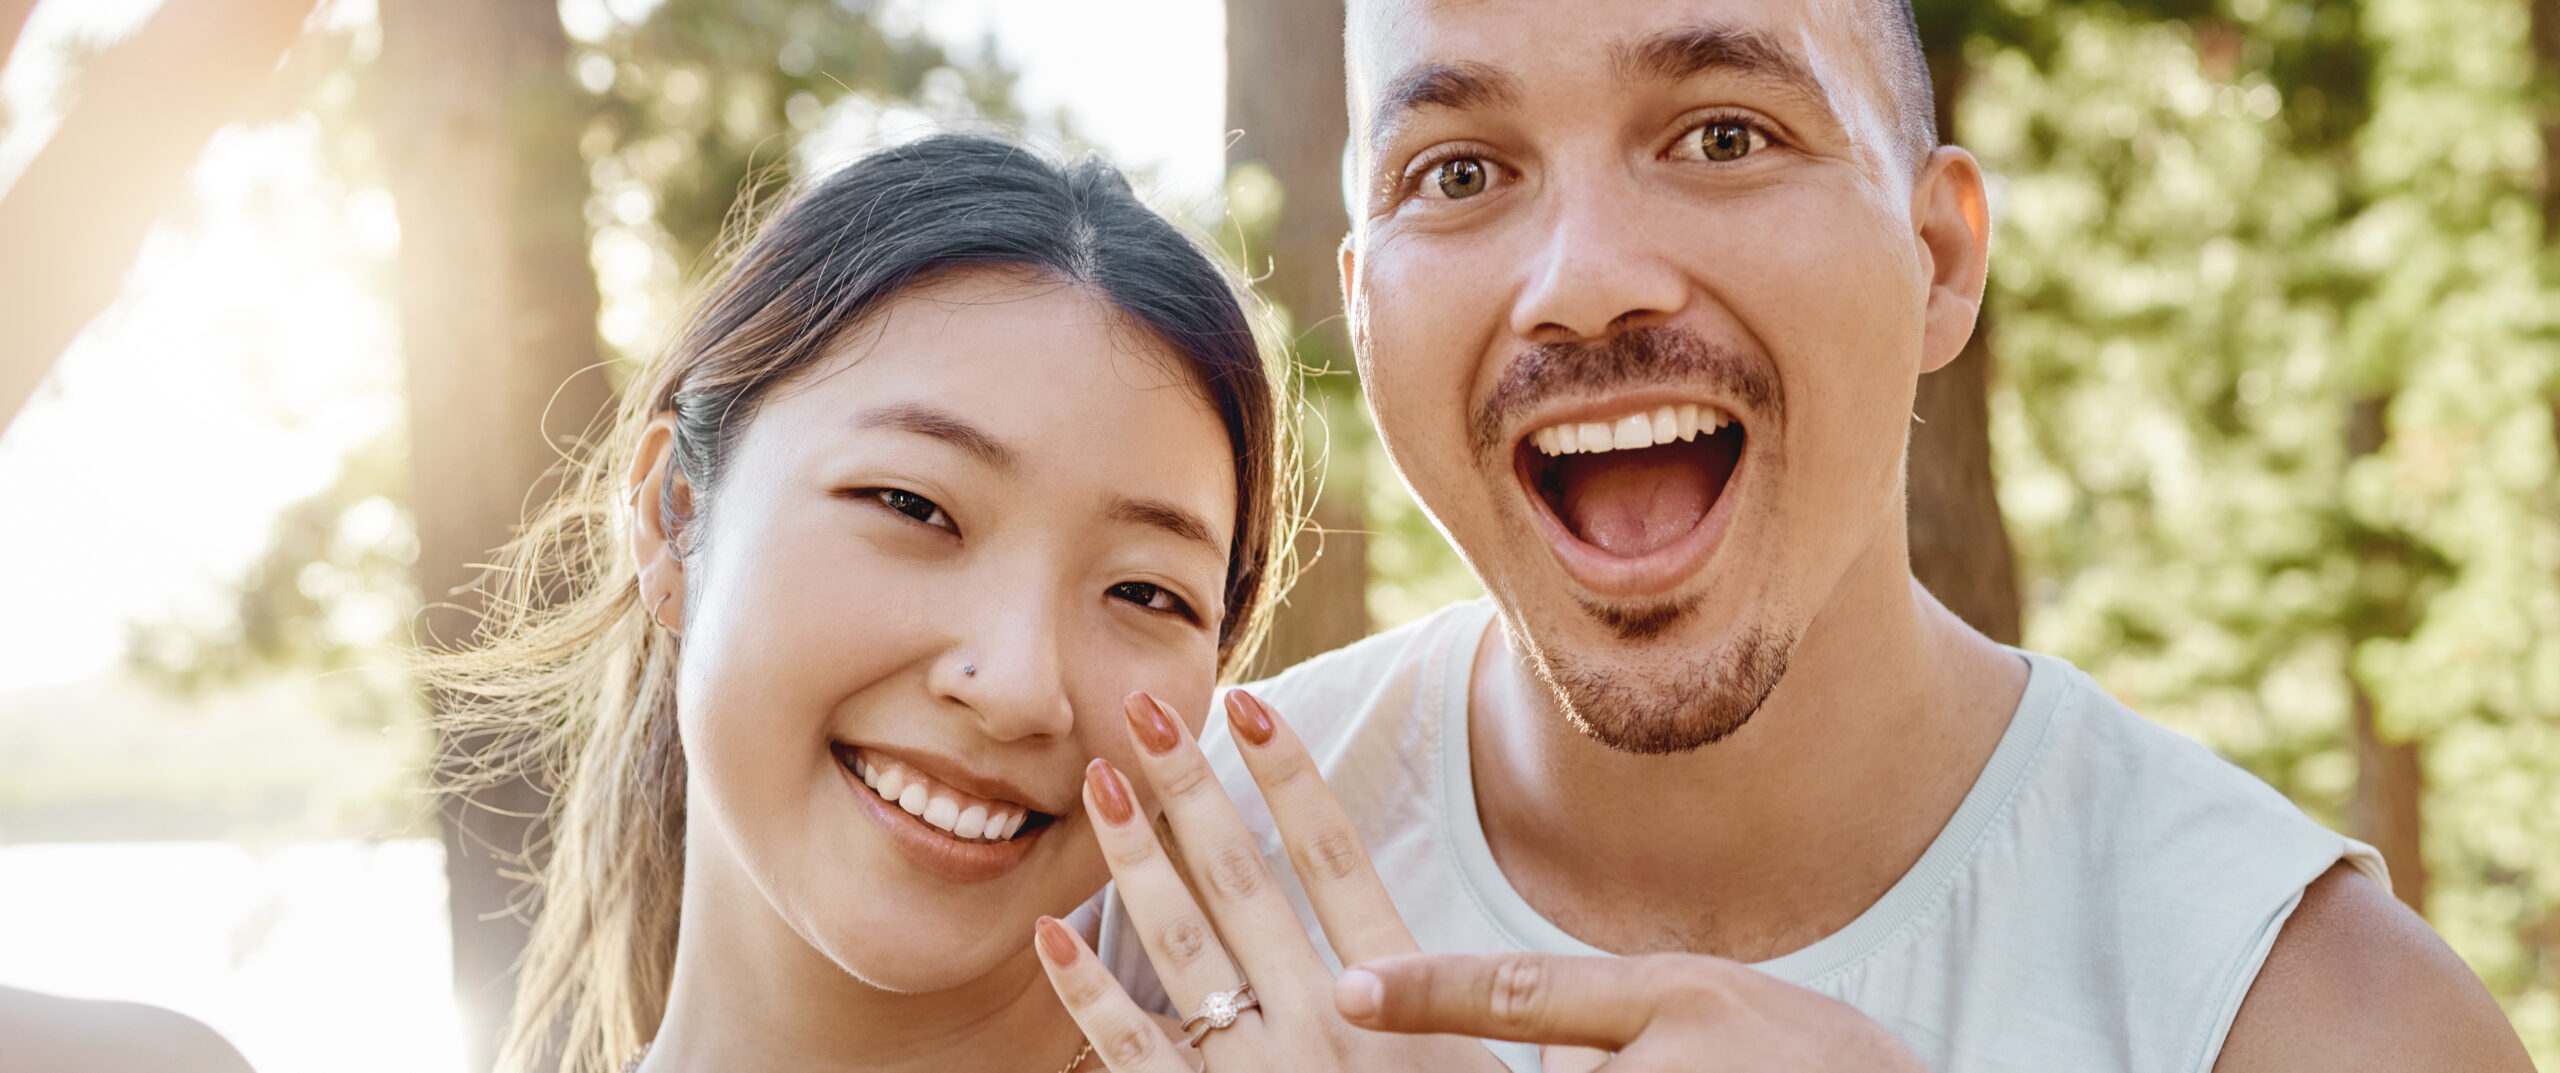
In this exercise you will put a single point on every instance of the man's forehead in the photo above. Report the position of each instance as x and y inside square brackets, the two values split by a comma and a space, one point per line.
[1391, 40]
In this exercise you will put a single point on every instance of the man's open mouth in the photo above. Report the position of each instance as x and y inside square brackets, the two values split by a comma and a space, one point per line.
[1637, 482]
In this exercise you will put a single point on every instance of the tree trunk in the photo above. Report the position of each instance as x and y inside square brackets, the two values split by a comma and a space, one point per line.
[13, 19]
[1284, 97]
[2546, 63]
[1959, 542]
[72, 223]
[2387, 809]
[498, 311]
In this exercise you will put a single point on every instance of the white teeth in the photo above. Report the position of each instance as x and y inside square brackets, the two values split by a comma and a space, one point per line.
[1660, 425]
[927, 801]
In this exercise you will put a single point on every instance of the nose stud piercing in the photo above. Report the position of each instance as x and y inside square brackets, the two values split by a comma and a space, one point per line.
[968, 670]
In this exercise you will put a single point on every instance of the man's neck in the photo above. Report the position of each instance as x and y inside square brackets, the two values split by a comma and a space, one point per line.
[749, 993]
[1769, 840]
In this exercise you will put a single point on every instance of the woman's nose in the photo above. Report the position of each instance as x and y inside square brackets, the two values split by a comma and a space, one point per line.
[1007, 671]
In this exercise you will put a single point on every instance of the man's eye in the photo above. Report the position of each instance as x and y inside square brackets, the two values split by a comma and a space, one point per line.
[1457, 178]
[1724, 141]
[913, 506]
[1152, 597]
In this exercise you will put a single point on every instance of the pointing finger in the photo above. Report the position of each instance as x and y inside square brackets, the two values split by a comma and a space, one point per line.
[1530, 998]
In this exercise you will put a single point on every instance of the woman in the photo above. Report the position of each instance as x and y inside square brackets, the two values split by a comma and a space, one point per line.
[964, 447]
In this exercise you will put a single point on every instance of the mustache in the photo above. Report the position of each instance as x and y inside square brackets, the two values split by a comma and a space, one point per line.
[1640, 357]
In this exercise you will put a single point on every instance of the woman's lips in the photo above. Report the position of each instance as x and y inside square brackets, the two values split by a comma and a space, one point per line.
[936, 852]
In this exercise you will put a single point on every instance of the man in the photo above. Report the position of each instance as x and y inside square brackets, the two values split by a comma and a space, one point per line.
[1642, 290]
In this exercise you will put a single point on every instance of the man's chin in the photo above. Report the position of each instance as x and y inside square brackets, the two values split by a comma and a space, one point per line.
[1665, 705]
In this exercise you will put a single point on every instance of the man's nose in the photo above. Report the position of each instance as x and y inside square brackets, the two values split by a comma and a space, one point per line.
[1599, 266]
[1007, 670]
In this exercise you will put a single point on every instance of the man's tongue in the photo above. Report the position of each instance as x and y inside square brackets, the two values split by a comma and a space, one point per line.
[1632, 502]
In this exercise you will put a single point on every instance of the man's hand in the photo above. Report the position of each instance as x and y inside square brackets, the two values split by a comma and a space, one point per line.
[1685, 1012]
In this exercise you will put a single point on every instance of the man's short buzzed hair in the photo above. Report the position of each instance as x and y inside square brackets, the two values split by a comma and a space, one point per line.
[1903, 66]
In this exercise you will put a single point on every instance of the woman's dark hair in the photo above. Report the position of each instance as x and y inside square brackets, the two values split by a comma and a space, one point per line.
[571, 684]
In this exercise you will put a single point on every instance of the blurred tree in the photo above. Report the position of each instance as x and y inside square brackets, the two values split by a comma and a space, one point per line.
[71, 224]
[2270, 421]
[498, 311]
[13, 19]
[1284, 167]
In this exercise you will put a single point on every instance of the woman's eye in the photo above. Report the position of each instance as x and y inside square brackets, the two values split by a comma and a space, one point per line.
[1151, 597]
[1724, 141]
[913, 506]
[1457, 178]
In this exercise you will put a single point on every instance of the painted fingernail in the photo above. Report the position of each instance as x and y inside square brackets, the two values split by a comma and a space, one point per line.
[1152, 722]
[1055, 942]
[1110, 792]
[1251, 720]
[1359, 994]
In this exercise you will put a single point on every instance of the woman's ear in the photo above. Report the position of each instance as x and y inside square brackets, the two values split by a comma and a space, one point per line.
[1953, 211]
[661, 507]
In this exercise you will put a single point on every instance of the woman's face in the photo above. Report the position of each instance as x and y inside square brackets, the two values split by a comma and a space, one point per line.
[934, 567]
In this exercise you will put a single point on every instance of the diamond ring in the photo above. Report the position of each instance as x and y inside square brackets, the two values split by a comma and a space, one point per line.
[1218, 1011]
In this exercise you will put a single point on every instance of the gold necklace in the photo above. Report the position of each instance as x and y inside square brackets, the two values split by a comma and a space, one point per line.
[633, 1064]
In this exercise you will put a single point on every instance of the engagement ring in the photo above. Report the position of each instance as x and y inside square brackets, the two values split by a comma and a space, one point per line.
[1218, 1011]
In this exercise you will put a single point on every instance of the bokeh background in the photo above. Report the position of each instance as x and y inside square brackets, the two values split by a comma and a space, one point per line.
[2263, 428]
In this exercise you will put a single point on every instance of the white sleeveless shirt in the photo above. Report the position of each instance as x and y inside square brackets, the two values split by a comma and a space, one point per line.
[2100, 901]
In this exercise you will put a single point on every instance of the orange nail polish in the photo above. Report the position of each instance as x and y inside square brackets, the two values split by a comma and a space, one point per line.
[1246, 713]
[1147, 719]
[1055, 942]
[1110, 792]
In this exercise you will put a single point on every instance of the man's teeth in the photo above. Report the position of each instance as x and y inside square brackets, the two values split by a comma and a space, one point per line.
[965, 817]
[1662, 424]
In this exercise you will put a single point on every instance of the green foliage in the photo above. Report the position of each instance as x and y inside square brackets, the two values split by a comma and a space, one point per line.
[700, 99]
[2273, 407]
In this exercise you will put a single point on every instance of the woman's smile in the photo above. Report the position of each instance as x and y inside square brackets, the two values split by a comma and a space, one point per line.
[940, 829]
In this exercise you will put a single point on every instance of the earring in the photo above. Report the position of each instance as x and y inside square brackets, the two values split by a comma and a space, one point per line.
[657, 611]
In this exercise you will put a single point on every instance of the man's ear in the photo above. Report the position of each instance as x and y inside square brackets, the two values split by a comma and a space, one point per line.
[661, 509]
[1953, 213]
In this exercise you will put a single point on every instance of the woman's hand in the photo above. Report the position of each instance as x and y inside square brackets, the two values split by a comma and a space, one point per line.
[1240, 927]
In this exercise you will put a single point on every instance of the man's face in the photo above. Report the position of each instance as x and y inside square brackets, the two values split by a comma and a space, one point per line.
[1641, 292]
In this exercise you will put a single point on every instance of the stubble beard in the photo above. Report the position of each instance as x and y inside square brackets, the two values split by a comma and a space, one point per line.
[1684, 707]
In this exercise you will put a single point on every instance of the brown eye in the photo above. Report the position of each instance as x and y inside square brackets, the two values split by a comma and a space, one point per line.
[1460, 178]
[1725, 141]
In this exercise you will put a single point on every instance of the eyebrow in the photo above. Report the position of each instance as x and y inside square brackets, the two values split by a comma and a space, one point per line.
[942, 425]
[1158, 514]
[1460, 85]
[1678, 55]
[1669, 56]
